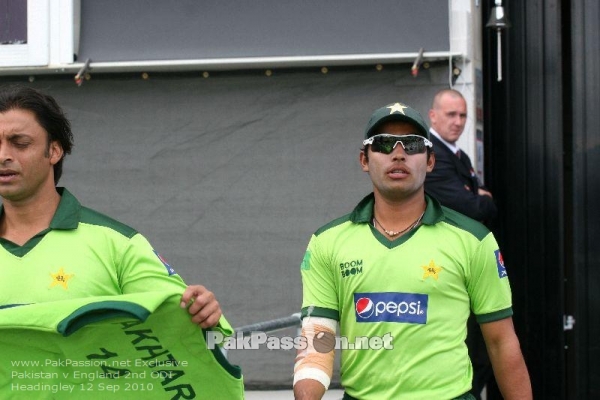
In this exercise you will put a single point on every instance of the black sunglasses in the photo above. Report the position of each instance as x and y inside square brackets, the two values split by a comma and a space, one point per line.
[386, 143]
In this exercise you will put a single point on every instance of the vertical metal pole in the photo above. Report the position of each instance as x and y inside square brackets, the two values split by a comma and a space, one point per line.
[499, 55]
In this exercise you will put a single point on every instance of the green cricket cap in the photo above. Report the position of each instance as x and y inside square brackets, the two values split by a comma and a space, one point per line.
[396, 112]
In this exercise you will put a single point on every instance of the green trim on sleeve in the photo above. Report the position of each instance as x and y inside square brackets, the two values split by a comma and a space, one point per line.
[320, 312]
[233, 370]
[224, 327]
[100, 311]
[494, 316]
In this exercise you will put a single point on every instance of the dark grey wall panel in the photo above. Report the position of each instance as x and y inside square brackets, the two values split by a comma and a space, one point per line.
[116, 30]
[229, 176]
[584, 228]
[543, 122]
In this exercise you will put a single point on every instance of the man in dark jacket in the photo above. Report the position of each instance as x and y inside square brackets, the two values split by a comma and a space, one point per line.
[453, 181]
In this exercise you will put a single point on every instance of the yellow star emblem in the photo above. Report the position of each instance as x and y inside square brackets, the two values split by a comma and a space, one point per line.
[431, 270]
[60, 278]
[397, 107]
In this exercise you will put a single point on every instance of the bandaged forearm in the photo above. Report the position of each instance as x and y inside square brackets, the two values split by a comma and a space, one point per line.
[316, 360]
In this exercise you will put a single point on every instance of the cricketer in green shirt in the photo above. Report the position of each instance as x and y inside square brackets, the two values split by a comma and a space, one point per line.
[83, 256]
[83, 253]
[408, 299]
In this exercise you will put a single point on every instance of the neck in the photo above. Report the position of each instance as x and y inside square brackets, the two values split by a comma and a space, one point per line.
[398, 216]
[21, 220]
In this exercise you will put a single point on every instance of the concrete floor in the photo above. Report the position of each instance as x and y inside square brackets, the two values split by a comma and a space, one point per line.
[335, 394]
[288, 395]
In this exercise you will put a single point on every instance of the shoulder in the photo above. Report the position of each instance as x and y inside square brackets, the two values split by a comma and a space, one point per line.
[436, 142]
[71, 213]
[439, 216]
[362, 213]
[92, 217]
[439, 148]
[333, 224]
[466, 225]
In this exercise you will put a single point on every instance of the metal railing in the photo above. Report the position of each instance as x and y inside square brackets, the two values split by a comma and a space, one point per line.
[233, 63]
[269, 326]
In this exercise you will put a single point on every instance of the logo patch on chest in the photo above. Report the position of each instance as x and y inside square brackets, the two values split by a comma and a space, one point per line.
[391, 307]
[431, 270]
[61, 278]
[351, 268]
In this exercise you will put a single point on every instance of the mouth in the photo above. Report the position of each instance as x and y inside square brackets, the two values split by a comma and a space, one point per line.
[398, 172]
[6, 176]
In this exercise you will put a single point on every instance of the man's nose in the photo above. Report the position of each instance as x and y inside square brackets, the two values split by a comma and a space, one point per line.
[459, 120]
[5, 155]
[398, 153]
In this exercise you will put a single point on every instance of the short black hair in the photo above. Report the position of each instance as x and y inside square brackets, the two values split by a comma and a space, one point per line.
[47, 113]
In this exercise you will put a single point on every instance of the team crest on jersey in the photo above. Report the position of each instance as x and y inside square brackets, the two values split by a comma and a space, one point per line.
[170, 269]
[61, 278]
[500, 264]
[431, 270]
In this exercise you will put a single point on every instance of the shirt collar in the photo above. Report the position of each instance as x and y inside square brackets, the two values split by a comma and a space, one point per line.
[453, 148]
[363, 212]
[67, 213]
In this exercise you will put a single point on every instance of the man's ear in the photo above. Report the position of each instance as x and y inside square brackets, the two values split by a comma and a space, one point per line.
[55, 152]
[431, 115]
[430, 161]
[364, 160]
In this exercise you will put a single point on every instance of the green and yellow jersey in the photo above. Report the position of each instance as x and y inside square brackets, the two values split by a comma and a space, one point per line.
[83, 253]
[415, 293]
[92, 291]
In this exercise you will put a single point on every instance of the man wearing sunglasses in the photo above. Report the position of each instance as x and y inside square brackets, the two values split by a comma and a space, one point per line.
[400, 275]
